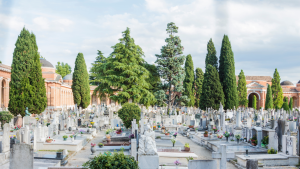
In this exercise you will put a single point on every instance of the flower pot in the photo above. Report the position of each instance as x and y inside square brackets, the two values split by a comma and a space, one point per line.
[65, 139]
[93, 150]
[167, 134]
[173, 144]
[187, 148]
[238, 141]
[58, 155]
[226, 139]
[72, 139]
[205, 135]
[49, 141]
[175, 136]
[210, 133]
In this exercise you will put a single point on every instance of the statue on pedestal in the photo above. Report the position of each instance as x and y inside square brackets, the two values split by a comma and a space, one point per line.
[147, 145]
[27, 112]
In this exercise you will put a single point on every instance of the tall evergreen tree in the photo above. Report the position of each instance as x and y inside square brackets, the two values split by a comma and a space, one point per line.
[291, 103]
[198, 83]
[23, 59]
[80, 86]
[285, 99]
[269, 99]
[39, 101]
[277, 91]
[242, 90]
[124, 73]
[227, 74]
[188, 83]
[212, 92]
[96, 66]
[211, 56]
[254, 102]
[169, 65]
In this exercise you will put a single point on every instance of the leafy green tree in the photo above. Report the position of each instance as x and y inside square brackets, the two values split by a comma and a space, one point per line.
[63, 69]
[277, 91]
[188, 83]
[23, 59]
[285, 106]
[124, 73]
[227, 74]
[80, 86]
[211, 56]
[154, 78]
[291, 103]
[170, 63]
[128, 112]
[212, 92]
[96, 66]
[269, 99]
[198, 83]
[242, 90]
[39, 101]
[0, 62]
[254, 102]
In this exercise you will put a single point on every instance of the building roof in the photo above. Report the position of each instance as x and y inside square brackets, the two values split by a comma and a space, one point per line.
[258, 78]
[68, 77]
[286, 90]
[45, 63]
[286, 83]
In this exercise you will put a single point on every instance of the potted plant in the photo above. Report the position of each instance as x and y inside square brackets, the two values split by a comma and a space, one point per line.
[72, 137]
[177, 163]
[108, 138]
[11, 130]
[49, 140]
[92, 123]
[265, 141]
[238, 136]
[254, 141]
[173, 141]
[81, 132]
[119, 131]
[226, 134]
[206, 134]
[100, 145]
[214, 129]
[187, 147]
[167, 133]
[13, 137]
[191, 126]
[175, 134]
[65, 137]
[93, 149]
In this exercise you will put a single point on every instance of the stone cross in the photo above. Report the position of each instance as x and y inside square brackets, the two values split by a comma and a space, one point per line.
[223, 155]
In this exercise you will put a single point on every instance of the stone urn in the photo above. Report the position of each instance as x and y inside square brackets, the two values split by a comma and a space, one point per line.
[93, 149]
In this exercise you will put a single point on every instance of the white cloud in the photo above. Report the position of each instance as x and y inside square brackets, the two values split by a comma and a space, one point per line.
[53, 24]
[11, 22]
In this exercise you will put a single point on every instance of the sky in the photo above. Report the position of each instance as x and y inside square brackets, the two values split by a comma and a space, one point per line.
[264, 34]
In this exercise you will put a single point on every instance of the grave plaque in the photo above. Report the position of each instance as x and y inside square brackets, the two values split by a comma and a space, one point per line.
[197, 116]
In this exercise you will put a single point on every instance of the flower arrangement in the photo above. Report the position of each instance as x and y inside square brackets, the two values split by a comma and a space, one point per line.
[81, 131]
[220, 136]
[154, 127]
[175, 134]
[13, 137]
[226, 134]
[254, 140]
[119, 131]
[206, 132]
[173, 141]
[191, 126]
[71, 136]
[295, 118]
[17, 128]
[90, 126]
[187, 145]
[265, 140]
[238, 136]
[65, 136]
[37, 119]
[177, 162]
[214, 129]
[272, 151]
[93, 144]
[131, 136]
[189, 158]
[92, 123]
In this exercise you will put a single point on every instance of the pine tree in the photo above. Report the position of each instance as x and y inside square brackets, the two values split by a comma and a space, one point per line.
[242, 90]
[211, 56]
[189, 79]
[23, 59]
[291, 103]
[269, 99]
[154, 78]
[277, 91]
[169, 65]
[124, 73]
[80, 86]
[254, 102]
[37, 82]
[96, 66]
[227, 74]
[212, 92]
[198, 83]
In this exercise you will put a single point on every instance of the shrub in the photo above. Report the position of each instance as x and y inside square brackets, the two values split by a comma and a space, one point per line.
[158, 137]
[109, 160]
[128, 112]
[187, 145]
[272, 151]
[5, 117]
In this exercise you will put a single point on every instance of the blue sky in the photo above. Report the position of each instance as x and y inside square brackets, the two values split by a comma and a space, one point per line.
[264, 34]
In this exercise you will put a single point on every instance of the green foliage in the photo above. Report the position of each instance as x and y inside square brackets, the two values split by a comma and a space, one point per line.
[154, 78]
[254, 102]
[0, 62]
[124, 73]
[285, 106]
[80, 86]
[269, 99]
[242, 90]
[160, 97]
[211, 56]
[212, 92]
[187, 145]
[108, 160]
[96, 66]
[23, 59]
[5, 117]
[128, 112]
[63, 69]
[285, 99]
[291, 103]
[272, 151]
[170, 63]
[198, 84]
[265, 140]
[188, 83]
[227, 74]
[277, 91]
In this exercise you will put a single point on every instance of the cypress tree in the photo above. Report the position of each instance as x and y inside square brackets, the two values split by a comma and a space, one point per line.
[23, 59]
[189, 79]
[254, 102]
[37, 82]
[211, 56]
[242, 90]
[277, 91]
[124, 72]
[198, 83]
[212, 92]
[80, 86]
[269, 99]
[227, 74]
[285, 106]
[291, 103]
[285, 99]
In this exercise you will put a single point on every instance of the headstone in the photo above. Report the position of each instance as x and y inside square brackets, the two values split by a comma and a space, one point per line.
[223, 155]
[6, 139]
[21, 157]
[252, 164]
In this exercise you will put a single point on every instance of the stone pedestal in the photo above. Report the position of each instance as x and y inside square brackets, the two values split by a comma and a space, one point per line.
[148, 161]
